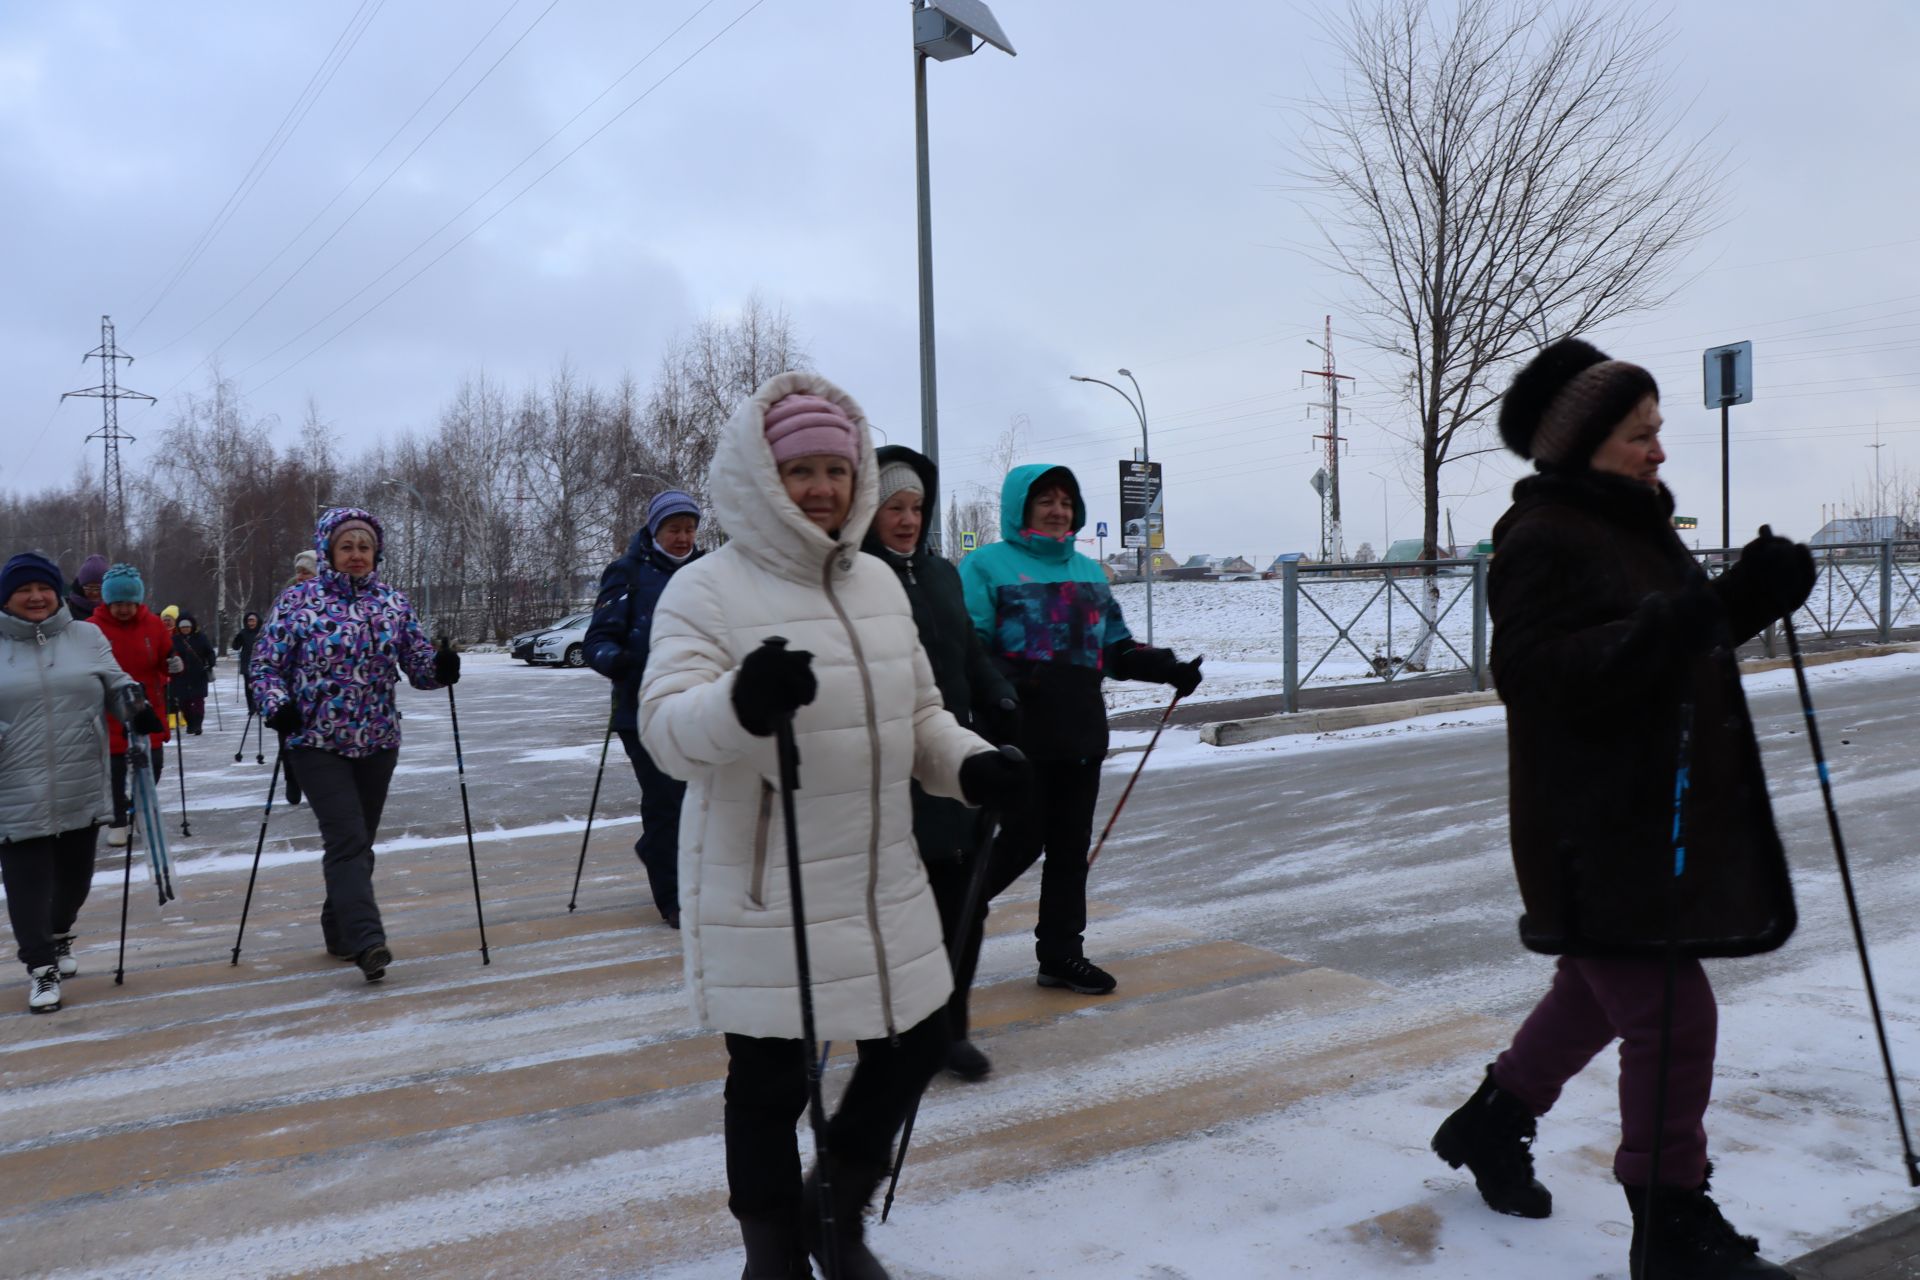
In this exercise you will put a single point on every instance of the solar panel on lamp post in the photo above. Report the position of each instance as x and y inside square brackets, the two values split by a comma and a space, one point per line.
[942, 30]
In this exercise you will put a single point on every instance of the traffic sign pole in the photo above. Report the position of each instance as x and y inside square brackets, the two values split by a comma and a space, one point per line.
[1728, 374]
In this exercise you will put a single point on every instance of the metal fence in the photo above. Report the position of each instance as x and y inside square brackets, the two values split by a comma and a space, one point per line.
[1409, 614]
[1864, 587]
[1418, 619]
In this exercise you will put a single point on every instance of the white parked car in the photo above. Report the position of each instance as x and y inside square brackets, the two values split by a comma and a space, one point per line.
[565, 644]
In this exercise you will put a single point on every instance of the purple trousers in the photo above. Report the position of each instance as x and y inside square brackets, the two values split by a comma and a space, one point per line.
[1592, 1001]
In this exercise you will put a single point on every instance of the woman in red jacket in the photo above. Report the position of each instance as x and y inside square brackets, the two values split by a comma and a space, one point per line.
[143, 647]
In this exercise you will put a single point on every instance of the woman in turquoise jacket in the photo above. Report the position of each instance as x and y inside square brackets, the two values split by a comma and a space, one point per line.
[1051, 624]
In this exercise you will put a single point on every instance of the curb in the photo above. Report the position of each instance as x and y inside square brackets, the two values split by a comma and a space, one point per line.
[1227, 733]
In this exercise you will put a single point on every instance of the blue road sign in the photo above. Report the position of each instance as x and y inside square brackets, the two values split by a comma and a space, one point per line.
[1100, 529]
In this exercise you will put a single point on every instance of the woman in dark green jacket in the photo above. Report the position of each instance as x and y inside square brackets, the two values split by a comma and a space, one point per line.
[979, 697]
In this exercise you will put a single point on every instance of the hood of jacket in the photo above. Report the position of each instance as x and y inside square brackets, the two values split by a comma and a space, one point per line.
[1014, 492]
[15, 627]
[929, 480]
[751, 503]
[323, 530]
[187, 620]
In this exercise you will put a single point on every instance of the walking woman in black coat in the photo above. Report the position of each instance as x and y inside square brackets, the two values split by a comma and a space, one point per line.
[243, 642]
[978, 696]
[190, 684]
[1611, 646]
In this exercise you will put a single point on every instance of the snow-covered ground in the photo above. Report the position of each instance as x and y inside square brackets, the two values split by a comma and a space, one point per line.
[1274, 1127]
[1241, 626]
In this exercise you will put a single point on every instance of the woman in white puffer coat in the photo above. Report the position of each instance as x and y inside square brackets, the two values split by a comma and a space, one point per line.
[793, 483]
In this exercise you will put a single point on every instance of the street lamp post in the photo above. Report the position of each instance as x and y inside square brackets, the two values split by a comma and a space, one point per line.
[1138, 403]
[942, 30]
[426, 576]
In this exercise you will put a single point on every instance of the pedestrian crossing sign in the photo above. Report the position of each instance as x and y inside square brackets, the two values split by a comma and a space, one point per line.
[968, 541]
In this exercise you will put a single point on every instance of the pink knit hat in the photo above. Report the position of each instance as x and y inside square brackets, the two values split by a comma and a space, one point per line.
[802, 424]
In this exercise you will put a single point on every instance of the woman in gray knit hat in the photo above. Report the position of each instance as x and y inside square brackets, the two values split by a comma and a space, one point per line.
[1611, 647]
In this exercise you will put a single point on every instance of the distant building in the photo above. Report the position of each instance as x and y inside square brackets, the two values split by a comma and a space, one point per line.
[1853, 529]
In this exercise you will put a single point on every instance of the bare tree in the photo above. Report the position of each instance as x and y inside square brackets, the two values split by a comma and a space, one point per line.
[977, 510]
[211, 464]
[1492, 182]
[702, 377]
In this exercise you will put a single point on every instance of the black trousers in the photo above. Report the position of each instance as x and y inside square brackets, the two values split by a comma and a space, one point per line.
[1057, 825]
[47, 880]
[659, 842]
[122, 799]
[767, 1095]
[347, 796]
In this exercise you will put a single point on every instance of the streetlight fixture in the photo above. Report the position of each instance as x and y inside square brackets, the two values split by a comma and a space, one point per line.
[426, 576]
[942, 30]
[1138, 403]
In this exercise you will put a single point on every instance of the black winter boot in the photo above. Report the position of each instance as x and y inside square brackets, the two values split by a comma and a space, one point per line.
[1692, 1240]
[853, 1185]
[775, 1248]
[1493, 1136]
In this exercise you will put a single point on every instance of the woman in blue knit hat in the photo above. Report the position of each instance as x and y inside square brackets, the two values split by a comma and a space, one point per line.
[144, 650]
[57, 675]
[616, 646]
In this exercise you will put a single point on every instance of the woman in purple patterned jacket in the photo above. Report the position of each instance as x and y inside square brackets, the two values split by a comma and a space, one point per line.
[323, 674]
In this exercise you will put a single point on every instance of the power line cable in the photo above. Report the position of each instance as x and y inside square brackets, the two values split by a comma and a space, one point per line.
[378, 152]
[509, 203]
[368, 198]
[270, 151]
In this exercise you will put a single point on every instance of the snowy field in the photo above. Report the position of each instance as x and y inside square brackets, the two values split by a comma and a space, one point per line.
[1240, 626]
[1274, 1127]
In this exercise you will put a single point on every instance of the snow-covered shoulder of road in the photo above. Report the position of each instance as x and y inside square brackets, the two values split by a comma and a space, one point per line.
[1181, 748]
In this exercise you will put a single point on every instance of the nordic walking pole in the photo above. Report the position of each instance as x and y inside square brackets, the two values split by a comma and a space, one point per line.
[789, 754]
[126, 880]
[273, 784]
[956, 945]
[1151, 743]
[219, 720]
[1846, 883]
[244, 730]
[466, 811]
[180, 767]
[259, 739]
[591, 806]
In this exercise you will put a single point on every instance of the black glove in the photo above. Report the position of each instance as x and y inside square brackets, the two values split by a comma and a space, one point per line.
[286, 719]
[1777, 570]
[996, 779]
[773, 682]
[145, 721]
[1185, 676]
[1689, 620]
[446, 664]
[999, 722]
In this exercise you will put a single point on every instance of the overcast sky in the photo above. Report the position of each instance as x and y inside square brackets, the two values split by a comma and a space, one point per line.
[1112, 196]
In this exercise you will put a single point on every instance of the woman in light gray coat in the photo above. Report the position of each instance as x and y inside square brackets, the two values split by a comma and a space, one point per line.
[56, 676]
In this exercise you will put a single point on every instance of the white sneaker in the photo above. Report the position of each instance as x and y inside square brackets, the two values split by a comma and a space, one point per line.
[43, 996]
[117, 836]
[63, 955]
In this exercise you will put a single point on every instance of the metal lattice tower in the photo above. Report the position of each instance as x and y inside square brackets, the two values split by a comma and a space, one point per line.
[110, 393]
[1332, 545]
